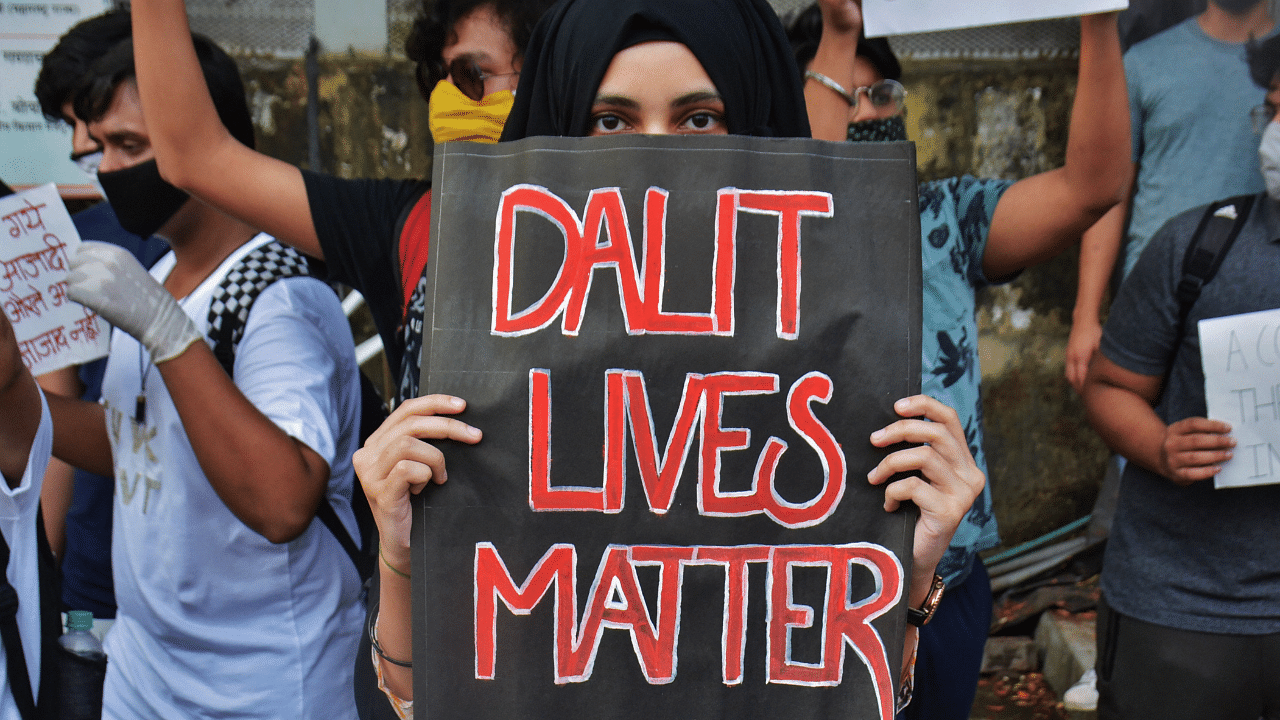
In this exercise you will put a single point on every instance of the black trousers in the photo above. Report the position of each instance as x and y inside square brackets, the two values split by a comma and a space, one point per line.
[1161, 673]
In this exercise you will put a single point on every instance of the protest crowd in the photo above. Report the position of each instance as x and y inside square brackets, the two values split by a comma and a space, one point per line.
[246, 526]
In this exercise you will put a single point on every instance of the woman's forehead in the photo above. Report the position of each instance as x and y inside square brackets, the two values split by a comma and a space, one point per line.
[655, 68]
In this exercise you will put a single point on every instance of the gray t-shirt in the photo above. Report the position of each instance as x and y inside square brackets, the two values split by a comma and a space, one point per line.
[1194, 558]
[1189, 101]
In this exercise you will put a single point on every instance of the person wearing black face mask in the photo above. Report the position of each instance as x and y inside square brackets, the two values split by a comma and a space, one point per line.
[222, 462]
[143, 201]
[76, 504]
[973, 233]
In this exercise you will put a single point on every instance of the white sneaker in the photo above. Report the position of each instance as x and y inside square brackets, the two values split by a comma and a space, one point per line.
[1084, 694]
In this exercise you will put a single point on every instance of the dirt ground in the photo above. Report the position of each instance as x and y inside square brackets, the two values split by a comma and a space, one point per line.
[1016, 696]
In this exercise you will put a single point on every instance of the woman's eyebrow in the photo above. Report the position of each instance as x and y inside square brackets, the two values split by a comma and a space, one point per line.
[617, 101]
[697, 97]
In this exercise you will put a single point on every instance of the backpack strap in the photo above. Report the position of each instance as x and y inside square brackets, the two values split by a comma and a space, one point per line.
[229, 308]
[362, 560]
[47, 697]
[15, 658]
[240, 287]
[1209, 245]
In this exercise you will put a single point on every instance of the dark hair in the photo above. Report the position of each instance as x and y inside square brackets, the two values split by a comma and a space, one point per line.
[1264, 60]
[94, 95]
[433, 29]
[805, 30]
[66, 64]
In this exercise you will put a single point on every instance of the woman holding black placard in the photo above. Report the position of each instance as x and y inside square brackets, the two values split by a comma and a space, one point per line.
[592, 67]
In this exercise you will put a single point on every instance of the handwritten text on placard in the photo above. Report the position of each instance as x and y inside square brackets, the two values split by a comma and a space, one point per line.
[36, 240]
[1241, 356]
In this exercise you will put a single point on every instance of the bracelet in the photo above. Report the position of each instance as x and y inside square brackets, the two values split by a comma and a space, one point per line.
[921, 617]
[394, 569]
[373, 640]
[831, 85]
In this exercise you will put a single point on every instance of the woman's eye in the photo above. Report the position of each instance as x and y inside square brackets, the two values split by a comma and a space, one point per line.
[608, 124]
[703, 122]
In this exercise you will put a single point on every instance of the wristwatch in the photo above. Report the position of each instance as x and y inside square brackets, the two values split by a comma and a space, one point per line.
[922, 615]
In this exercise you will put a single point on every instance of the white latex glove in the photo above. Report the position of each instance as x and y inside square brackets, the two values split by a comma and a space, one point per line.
[108, 279]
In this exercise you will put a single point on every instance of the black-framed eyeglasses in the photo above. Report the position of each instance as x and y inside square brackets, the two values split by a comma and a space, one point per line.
[1260, 116]
[469, 78]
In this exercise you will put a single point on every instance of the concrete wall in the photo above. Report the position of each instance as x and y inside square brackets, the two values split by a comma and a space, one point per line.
[988, 118]
[1009, 120]
[372, 121]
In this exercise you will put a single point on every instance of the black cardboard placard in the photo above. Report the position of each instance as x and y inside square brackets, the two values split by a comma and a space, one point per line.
[677, 349]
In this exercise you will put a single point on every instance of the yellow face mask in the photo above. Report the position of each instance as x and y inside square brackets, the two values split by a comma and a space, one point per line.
[454, 116]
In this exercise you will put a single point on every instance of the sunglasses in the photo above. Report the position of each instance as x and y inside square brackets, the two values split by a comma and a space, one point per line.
[469, 78]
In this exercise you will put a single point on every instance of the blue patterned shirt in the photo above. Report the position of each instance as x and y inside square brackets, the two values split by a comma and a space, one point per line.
[955, 216]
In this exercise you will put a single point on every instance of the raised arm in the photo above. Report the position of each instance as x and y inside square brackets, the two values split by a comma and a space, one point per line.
[1040, 216]
[193, 149]
[841, 26]
[21, 402]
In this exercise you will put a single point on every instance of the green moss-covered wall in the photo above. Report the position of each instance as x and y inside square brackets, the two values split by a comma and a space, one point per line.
[1008, 119]
[372, 120]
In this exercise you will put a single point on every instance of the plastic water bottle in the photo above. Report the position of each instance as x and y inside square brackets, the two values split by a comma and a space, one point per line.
[83, 668]
[78, 639]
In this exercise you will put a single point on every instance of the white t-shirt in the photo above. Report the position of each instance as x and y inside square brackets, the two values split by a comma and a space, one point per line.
[18, 508]
[214, 620]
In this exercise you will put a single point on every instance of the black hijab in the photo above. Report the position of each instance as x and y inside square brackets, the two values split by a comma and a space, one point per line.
[740, 43]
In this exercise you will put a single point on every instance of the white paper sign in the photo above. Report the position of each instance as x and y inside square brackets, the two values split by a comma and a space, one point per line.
[898, 17]
[34, 151]
[1241, 358]
[36, 239]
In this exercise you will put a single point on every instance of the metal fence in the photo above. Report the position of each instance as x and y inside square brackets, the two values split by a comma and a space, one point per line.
[269, 27]
[1016, 41]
